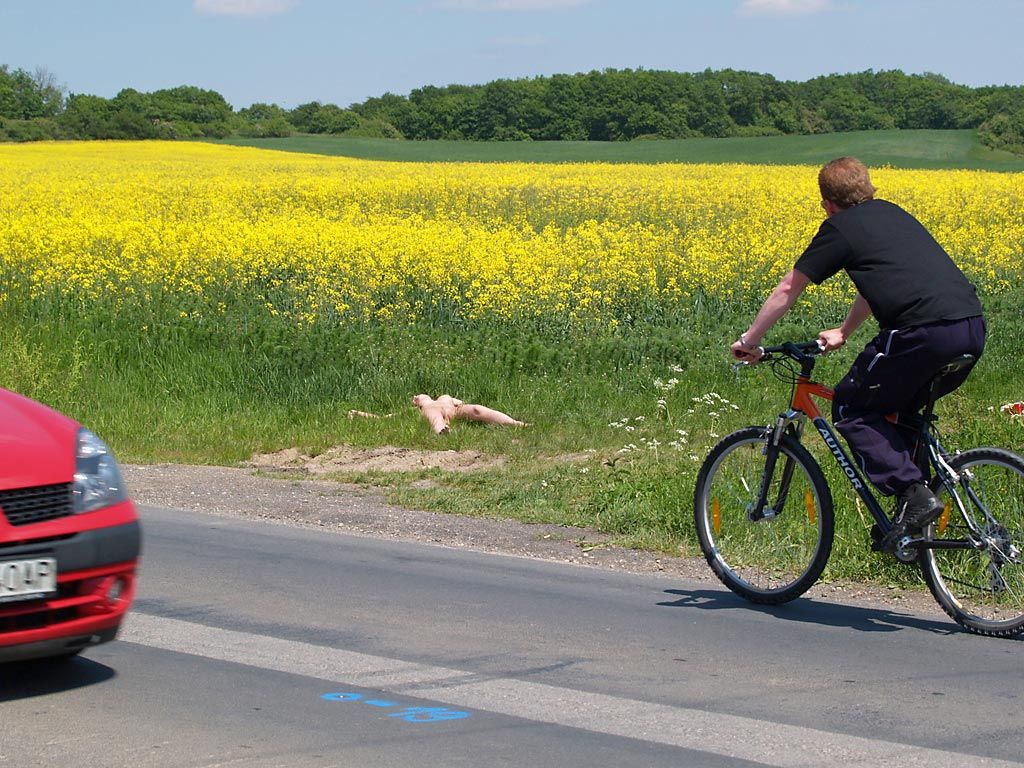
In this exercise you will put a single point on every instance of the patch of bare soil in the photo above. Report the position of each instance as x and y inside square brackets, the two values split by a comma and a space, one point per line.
[387, 458]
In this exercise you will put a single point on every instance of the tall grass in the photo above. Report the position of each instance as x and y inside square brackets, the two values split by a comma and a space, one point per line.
[601, 450]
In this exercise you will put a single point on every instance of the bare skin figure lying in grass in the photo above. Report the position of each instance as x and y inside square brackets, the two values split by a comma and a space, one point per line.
[440, 412]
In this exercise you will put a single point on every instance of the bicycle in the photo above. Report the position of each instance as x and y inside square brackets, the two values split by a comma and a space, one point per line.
[765, 520]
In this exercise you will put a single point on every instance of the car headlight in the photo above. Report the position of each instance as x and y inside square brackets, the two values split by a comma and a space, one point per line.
[98, 481]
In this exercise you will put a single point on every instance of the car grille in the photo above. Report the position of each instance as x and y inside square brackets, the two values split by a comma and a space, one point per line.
[24, 506]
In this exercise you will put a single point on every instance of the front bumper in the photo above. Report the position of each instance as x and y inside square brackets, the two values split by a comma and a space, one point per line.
[61, 646]
[95, 586]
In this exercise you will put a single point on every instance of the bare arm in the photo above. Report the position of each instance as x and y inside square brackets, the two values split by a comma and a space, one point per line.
[775, 306]
[834, 338]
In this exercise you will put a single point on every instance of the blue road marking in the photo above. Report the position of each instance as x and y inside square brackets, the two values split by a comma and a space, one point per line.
[407, 714]
[429, 714]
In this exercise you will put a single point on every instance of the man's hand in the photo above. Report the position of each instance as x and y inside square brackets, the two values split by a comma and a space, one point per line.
[746, 353]
[831, 339]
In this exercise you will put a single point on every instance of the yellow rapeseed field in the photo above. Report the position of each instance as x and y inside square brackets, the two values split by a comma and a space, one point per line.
[196, 229]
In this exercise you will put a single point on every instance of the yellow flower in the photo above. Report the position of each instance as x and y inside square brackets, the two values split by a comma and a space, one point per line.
[195, 230]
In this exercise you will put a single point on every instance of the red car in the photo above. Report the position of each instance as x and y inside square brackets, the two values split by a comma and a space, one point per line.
[69, 536]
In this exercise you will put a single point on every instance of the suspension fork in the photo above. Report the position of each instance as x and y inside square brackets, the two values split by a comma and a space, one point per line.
[791, 423]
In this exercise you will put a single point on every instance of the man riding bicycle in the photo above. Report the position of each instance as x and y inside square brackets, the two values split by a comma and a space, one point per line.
[928, 313]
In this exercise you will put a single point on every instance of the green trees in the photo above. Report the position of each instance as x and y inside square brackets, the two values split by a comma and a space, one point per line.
[191, 111]
[26, 96]
[263, 121]
[605, 105]
[29, 102]
[1004, 126]
[315, 117]
[89, 116]
[33, 106]
[614, 105]
[1004, 131]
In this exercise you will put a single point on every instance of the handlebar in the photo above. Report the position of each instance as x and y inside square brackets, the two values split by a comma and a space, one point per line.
[794, 349]
[802, 352]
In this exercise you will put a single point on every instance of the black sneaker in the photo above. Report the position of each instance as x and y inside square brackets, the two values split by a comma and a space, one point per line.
[918, 506]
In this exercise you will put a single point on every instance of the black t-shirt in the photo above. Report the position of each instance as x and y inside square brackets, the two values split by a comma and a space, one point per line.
[905, 276]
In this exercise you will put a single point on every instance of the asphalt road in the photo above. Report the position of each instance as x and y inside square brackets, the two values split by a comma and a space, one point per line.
[263, 645]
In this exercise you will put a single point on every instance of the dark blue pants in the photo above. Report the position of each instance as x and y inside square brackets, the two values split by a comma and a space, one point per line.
[892, 375]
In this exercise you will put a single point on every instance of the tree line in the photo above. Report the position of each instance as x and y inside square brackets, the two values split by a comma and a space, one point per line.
[608, 105]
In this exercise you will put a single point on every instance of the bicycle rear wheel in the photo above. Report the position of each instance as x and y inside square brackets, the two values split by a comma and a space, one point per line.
[779, 557]
[982, 587]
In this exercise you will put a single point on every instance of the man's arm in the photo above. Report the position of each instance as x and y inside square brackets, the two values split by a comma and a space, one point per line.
[836, 337]
[775, 306]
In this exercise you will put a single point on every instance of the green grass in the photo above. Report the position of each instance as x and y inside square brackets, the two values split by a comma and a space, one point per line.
[217, 395]
[901, 149]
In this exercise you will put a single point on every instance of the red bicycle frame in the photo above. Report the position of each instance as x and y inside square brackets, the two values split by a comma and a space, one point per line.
[804, 393]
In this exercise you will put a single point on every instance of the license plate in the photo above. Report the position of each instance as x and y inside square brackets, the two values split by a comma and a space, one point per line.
[27, 579]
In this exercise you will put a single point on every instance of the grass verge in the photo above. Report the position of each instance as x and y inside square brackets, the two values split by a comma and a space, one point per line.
[620, 421]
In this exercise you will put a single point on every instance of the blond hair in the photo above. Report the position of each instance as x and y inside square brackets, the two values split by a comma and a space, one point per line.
[845, 181]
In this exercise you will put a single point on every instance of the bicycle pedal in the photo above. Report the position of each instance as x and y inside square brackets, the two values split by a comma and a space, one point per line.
[899, 538]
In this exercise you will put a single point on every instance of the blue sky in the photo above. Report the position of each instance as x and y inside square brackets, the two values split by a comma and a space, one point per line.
[294, 51]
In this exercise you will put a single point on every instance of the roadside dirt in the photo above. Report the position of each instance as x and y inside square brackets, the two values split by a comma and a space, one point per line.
[387, 458]
[309, 502]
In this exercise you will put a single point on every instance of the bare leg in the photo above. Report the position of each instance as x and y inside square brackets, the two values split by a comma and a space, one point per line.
[474, 412]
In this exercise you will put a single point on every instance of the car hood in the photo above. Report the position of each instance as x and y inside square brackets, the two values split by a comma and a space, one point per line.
[37, 444]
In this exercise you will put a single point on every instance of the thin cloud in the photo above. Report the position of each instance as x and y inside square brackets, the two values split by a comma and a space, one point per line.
[246, 8]
[508, 5]
[784, 7]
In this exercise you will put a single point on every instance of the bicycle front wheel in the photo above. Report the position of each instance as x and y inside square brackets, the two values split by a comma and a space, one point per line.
[981, 585]
[779, 556]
